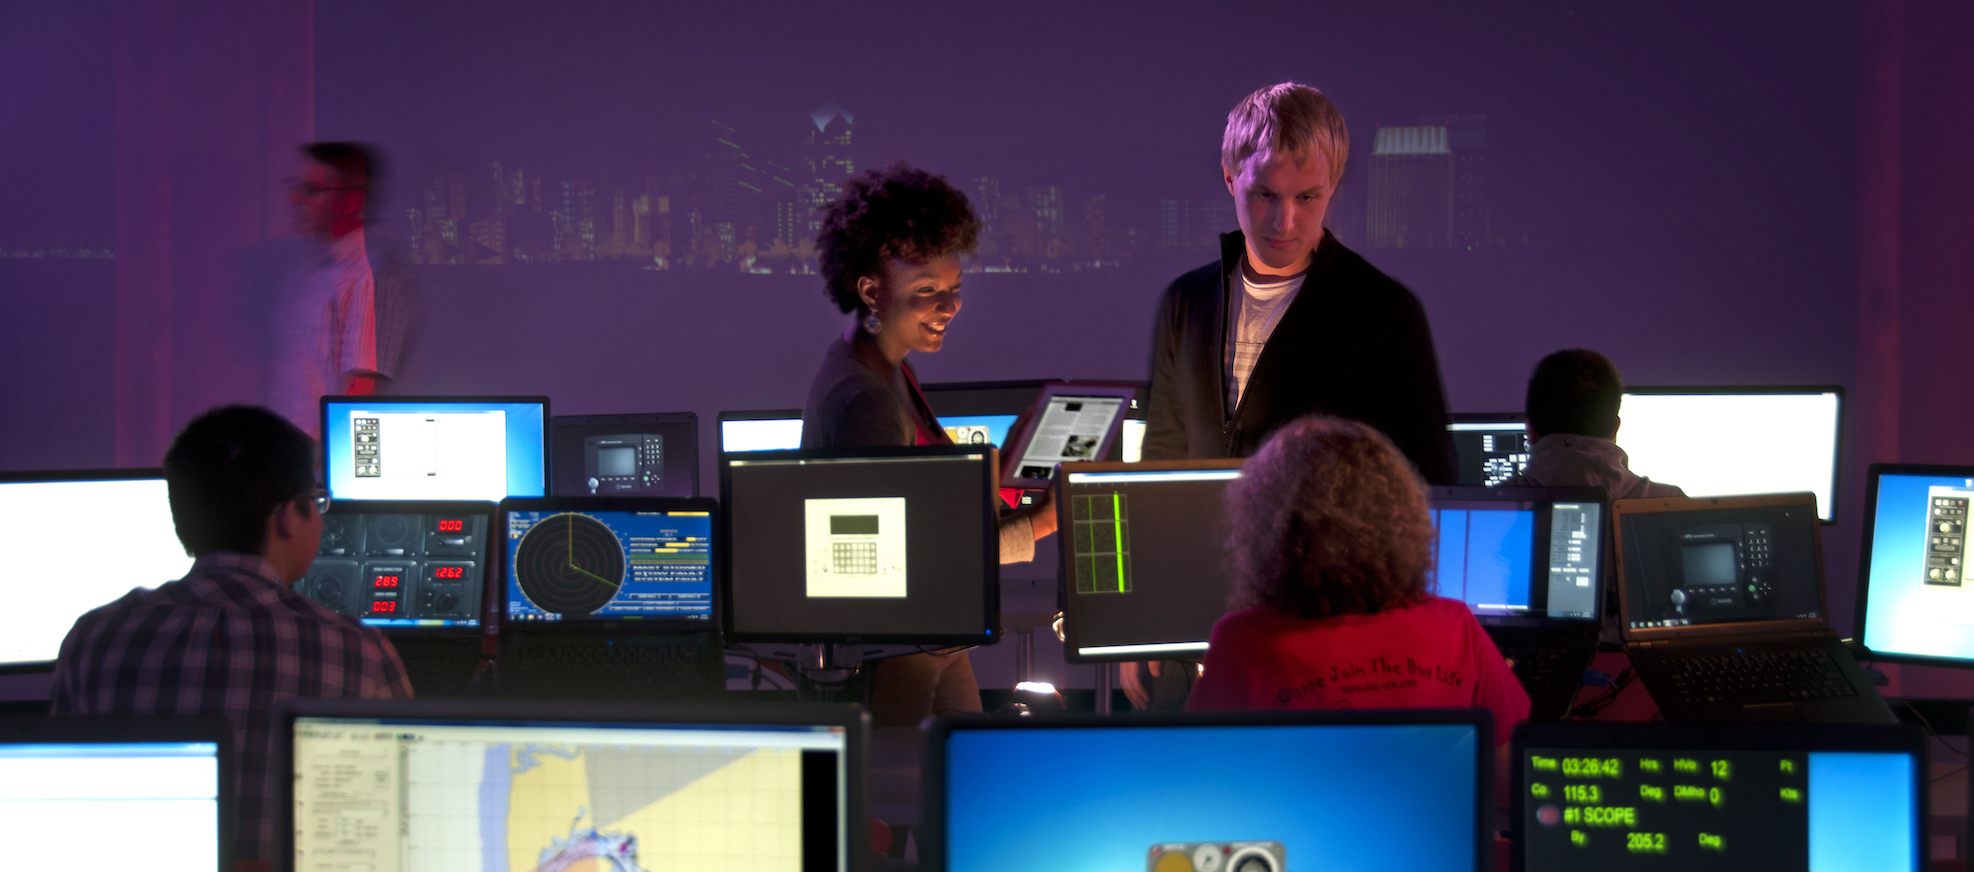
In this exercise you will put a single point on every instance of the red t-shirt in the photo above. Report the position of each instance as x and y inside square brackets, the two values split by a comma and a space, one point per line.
[1432, 655]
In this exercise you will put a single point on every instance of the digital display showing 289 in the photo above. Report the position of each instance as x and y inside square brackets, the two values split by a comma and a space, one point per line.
[1689, 810]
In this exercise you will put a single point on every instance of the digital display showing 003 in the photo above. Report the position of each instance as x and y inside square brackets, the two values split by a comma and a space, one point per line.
[383, 607]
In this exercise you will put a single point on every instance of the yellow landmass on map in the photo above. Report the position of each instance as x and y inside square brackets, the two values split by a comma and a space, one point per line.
[542, 805]
[746, 815]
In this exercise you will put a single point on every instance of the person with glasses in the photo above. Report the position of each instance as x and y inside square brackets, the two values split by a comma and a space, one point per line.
[343, 317]
[232, 637]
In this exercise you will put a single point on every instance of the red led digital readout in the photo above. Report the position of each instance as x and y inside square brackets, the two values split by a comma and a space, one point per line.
[386, 581]
[448, 572]
[446, 526]
[381, 606]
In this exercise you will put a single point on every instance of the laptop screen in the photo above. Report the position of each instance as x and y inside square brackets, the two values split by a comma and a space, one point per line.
[1144, 558]
[1490, 449]
[1715, 566]
[1071, 424]
[1506, 553]
[59, 800]
[894, 544]
[410, 793]
[407, 448]
[1637, 806]
[626, 455]
[781, 432]
[1916, 596]
[1723, 441]
[1211, 798]
[403, 565]
[978, 429]
[123, 526]
[608, 565]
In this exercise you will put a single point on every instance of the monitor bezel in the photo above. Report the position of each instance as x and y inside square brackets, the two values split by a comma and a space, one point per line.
[853, 718]
[1843, 423]
[1865, 544]
[720, 420]
[39, 476]
[1785, 737]
[990, 545]
[1024, 428]
[1550, 496]
[427, 507]
[503, 622]
[1072, 636]
[689, 419]
[331, 399]
[938, 730]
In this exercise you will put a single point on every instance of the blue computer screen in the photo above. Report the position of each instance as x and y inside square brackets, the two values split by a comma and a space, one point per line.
[598, 565]
[963, 429]
[1320, 797]
[1486, 556]
[1918, 602]
[434, 451]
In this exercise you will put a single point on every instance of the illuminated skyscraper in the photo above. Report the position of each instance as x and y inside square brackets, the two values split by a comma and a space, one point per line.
[987, 202]
[1175, 228]
[1411, 189]
[828, 161]
[1473, 219]
[1046, 202]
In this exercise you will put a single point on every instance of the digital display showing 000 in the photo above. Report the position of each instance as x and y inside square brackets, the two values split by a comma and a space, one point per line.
[1688, 810]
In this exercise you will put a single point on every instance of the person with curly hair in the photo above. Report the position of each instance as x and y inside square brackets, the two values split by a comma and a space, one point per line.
[890, 251]
[1331, 542]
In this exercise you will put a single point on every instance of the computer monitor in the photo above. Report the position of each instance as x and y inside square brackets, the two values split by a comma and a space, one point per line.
[650, 455]
[1749, 561]
[1211, 793]
[74, 540]
[760, 430]
[609, 560]
[1839, 797]
[435, 448]
[156, 787]
[405, 567]
[983, 411]
[1728, 441]
[1144, 562]
[872, 545]
[1915, 603]
[1491, 447]
[571, 786]
[1520, 555]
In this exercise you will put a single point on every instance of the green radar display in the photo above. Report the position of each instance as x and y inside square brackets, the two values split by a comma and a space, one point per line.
[569, 564]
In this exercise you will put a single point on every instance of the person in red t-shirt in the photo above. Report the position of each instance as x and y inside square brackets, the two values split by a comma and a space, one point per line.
[1331, 541]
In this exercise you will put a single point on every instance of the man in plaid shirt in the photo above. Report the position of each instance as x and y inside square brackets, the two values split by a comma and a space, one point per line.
[232, 637]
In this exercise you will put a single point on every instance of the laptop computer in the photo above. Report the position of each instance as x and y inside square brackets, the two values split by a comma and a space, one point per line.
[416, 571]
[1529, 562]
[434, 448]
[609, 598]
[160, 788]
[1913, 594]
[760, 430]
[650, 455]
[1256, 792]
[1844, 797]
[500, 785]
[1722, 605]
[1490, 447]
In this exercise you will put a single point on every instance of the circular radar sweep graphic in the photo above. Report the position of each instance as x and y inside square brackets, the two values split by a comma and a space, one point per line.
[569, 564]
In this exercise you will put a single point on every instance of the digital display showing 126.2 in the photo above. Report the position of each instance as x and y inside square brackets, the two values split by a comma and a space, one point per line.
[1693, 810]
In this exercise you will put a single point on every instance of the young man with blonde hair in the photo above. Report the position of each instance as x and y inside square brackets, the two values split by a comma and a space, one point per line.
[1289, 322]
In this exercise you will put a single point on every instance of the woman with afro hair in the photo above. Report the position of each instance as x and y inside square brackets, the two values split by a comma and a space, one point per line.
[890, 251]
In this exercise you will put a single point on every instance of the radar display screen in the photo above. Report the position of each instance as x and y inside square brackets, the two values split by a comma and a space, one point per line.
[609, 565]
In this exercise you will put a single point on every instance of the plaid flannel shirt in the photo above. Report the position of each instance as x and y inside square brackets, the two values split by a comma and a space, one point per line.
[227, 639]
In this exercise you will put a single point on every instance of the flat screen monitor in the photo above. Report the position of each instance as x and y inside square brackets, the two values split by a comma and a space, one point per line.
[1717, 560]
[1847, 798]
[71, 541]
[412, 785]
[1490, 447]
[875, 545]
[1915, 602]
[761, 430]
[614, 560]
[435, 448]
[1144, 558]
[653, 455]
[1516, 554]
[1212, 793]
[161, 788]
[405, 567]
[1729, 441]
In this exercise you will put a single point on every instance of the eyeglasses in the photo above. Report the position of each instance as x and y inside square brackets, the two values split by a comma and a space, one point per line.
[318, 496]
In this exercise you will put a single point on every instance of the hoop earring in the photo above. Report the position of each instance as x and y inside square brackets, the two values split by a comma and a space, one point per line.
[872, 324]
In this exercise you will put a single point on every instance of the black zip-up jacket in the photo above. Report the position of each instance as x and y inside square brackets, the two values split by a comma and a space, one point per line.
[1353, 344]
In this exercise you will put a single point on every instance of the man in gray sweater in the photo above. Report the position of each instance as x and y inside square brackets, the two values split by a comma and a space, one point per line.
[1572, 407]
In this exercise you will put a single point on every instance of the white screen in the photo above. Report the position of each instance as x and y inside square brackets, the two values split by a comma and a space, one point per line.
[69, 546]
[767, 434]
[427, 455]
[1133, 437]
[1731, 444]
[58, 802]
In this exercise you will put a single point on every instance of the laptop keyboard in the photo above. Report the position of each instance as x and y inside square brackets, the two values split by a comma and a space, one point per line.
[1742, 676]
[1543, 667]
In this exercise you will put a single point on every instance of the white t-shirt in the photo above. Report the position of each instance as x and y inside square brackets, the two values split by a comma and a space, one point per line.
[1261, 307]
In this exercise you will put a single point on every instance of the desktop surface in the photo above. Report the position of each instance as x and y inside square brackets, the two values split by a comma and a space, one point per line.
[435, 448]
